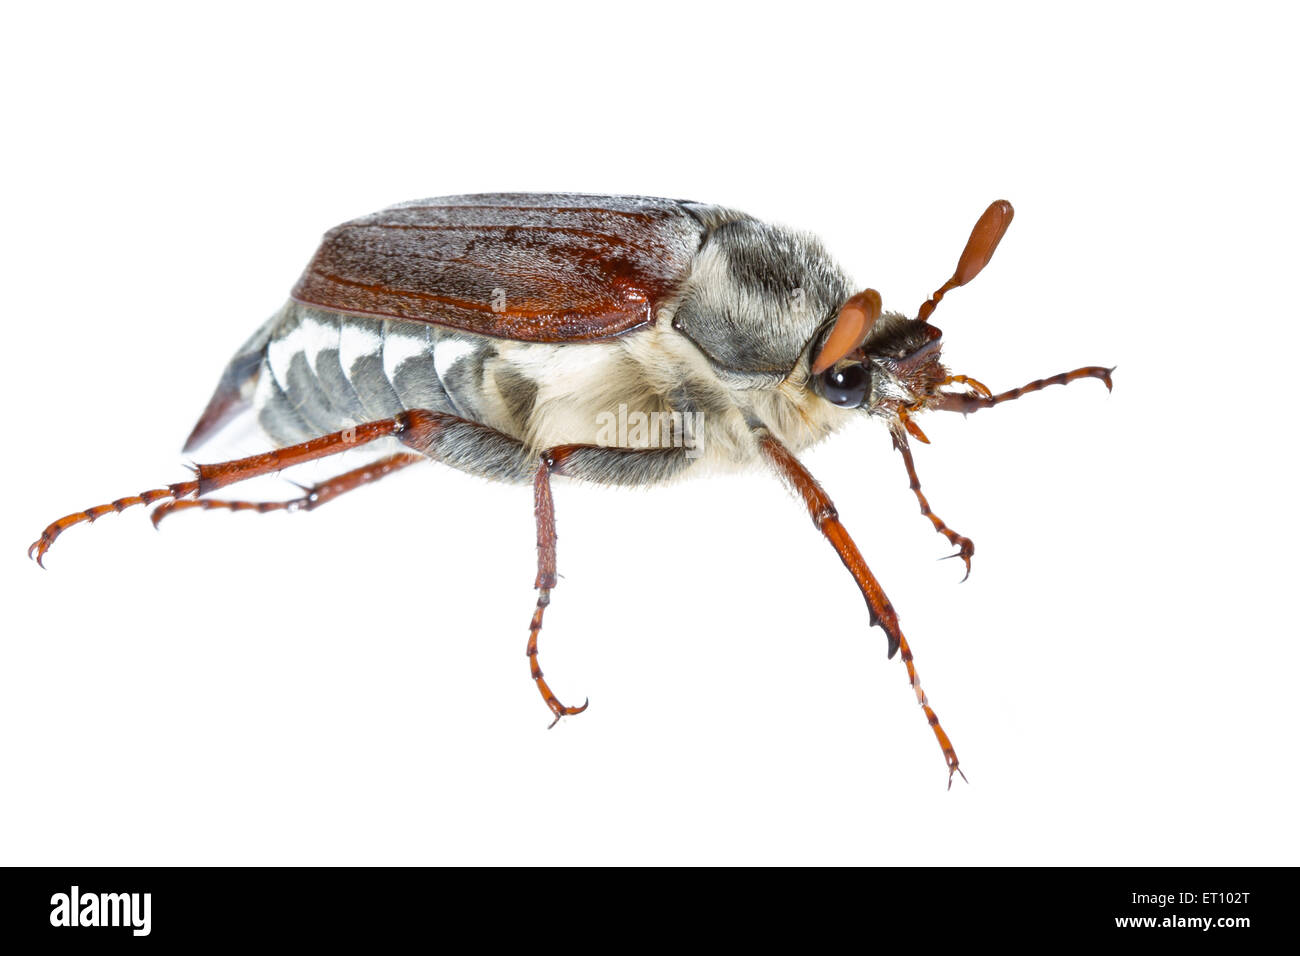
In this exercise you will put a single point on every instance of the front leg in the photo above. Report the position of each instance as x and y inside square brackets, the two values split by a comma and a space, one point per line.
[967, 403]
[881, 612]
[965, 546]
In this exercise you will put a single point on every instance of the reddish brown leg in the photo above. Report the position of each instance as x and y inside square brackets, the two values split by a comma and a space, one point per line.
[414, 428]
[544, 512]
[881, 612]
[965, 403]
[965, 546]
[314, 497]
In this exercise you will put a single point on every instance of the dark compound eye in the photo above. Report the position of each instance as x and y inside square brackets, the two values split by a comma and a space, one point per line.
[846, 386]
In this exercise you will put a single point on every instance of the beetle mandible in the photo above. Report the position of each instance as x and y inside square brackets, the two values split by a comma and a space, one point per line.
[505, 334]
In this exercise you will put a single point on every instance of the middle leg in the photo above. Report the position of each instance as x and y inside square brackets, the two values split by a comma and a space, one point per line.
[632, 466]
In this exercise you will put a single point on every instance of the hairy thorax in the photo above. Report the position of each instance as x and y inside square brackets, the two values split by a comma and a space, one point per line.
[639, 390]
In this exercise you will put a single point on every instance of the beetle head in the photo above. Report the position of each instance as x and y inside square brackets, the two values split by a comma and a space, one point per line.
[887, 363]
[895, 367]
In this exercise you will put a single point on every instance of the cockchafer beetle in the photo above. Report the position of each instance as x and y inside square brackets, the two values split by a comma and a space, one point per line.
[503, 334]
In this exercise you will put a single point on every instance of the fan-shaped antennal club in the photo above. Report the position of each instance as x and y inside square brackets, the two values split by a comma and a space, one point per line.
[983, 241]
[855, 320]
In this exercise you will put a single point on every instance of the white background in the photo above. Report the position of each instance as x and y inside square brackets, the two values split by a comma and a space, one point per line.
[1118, 674]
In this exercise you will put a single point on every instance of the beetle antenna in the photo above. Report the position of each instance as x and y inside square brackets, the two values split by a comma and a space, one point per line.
[983, 241]
[855, 320]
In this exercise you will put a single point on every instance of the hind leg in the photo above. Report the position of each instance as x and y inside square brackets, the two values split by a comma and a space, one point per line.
[312, 497]
[462, 444]
[208, 478]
